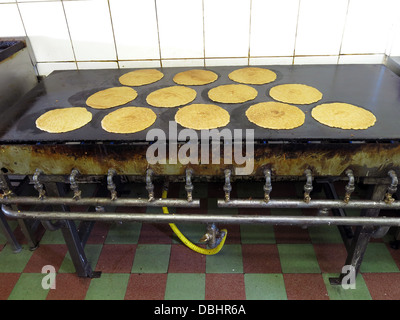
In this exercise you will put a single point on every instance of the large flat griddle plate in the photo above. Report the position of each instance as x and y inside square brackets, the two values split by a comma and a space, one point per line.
[373, 87]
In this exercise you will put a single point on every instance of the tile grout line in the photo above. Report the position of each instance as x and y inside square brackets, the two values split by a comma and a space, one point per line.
[158, 32]
[69, 34]
[112, 28]
[251, 7]
[344, 30]
[297, 27]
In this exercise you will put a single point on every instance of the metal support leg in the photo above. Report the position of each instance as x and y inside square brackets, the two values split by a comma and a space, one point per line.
[74, 239]
[8, 233]
[76, 251]
[345, 231]
[362, 235]
[28, 227]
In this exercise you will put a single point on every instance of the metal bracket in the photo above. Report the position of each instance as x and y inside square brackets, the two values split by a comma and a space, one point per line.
[189, 185]
[308, 187]
[111, 185]
[37, 185]
[213, 236]
[349, 188]
[149, 184]
[268, 185]
[227, 186]
[74, 184]
[392, 188]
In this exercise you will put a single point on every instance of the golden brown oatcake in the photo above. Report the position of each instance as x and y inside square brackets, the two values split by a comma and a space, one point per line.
[202, 116]
[295, 93]
[141, 77]
[275, 115]
[343, 116]
[232, 93]
[252, 75]
[63, 120]
[128, 120]
[195, 77]
[111, 97]
[170, 97]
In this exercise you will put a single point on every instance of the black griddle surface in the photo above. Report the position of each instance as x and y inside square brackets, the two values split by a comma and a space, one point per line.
[373, 87]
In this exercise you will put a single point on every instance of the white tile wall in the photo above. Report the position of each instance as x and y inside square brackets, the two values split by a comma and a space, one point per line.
[180, 26]
[89, 24]
[273, 27]
[82, 34]
[47, 30]
[367, 26]
[135, 29]
[320, 27]
[394, 41]
[10, 22]
[45, 68]
[226, 28]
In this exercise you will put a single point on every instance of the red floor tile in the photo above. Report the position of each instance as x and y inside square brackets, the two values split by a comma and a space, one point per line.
[146, 286]
[174, 189]
[233, 236]
[383, 286]
[331, 257]
[98, 233]
[69, 287]
[183, 259]
[261, 258]
[305, 286]
[155, 234]
[225, 286]
[7, 281]
[291, 234]
[46, 254]
[395, 253]
[116, 258]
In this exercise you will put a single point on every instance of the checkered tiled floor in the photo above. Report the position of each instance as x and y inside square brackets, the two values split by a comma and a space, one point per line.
[147, 261]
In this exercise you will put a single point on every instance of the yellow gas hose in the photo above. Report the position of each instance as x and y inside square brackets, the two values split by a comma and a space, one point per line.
[186, 240]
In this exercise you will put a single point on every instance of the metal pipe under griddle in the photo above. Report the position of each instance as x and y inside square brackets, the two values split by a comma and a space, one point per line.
[120, 202]
[195, 218]
[313, 204]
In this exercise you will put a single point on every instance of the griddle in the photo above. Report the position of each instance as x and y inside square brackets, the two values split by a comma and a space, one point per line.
[373, 87]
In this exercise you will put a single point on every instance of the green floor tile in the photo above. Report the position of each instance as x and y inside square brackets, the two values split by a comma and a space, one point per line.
[185, 286]
[337, 292]
[52, 237]
[14, 262]
[228, 260]
[325, 234]
[267, 286]
[12, 224]
[151, 258]
[377, 258]
[193, 232]
[29, 287]
[110, 286]
[254, 233]
[298, 258]
[92, 252]
[125, 233]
